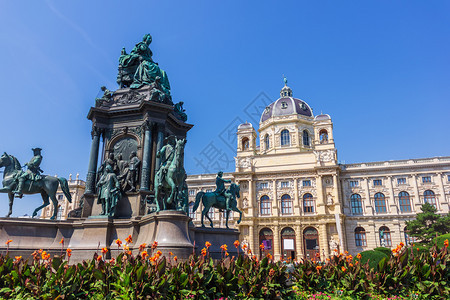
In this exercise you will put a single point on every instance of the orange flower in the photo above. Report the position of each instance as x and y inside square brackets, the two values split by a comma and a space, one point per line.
[61, 241]
[69, 252]
[249, 251]
[358, 256]
[269, 256]
[236, 243]
[129, 239]
[446, 243]
[350, 265]
[261, 246]
[327, 259]
[343, 269]
[159, 253]
[317, 254]
[119, 243]
[170, 253]
[207, 245]
[401, 244]
[144, 254]
[318, 268]
[244, 247]
[175, 258]
[271, 272]
[254, 257]
[18, 258]
[224, 247]
[35, 255]
[129, 253]
[40, 251]
[126, 248]
[99, 258]
[417, 249]
[154, 245]
[112, 261]
[356, 262]
[346, 252]
[204, 251]
[104, 250]
[142, 247]
[226, 253]
[8, 241]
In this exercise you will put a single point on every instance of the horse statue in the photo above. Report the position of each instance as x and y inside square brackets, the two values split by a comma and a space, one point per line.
[212, 200]
[47, 186]
[172, 180]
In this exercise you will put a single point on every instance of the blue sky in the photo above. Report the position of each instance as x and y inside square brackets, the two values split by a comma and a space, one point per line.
[379, 68]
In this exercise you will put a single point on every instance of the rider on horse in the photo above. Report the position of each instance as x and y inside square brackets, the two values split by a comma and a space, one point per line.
[33, 173]
[221, 190]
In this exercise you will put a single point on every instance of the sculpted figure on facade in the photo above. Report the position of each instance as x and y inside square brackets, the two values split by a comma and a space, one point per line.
[334, 245]
[109, 192]
[133, 171]
[180, 112]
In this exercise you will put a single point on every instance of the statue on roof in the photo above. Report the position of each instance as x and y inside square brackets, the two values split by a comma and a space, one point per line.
[138, 68]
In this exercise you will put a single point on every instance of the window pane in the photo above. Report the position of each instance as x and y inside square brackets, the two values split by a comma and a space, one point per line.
[308, 203]
[356, 204]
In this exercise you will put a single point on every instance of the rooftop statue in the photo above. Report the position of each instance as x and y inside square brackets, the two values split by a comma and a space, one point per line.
[221, 198]
[171, 176]
[16, 181]
[138, 68]
[179, 111]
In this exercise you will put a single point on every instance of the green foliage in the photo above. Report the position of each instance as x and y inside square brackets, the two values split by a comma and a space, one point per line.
[441, 239]
[385, 250]
[428, 223]
[373, 257]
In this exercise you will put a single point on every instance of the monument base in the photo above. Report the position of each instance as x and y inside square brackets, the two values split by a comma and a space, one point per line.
[89, 235]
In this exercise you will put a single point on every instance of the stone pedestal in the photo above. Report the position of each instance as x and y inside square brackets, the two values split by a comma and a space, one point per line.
[217, 237]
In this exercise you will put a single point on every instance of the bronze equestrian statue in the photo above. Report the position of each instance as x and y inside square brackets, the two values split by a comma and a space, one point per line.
[31, 182]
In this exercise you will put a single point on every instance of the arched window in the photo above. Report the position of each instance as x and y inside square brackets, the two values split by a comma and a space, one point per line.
[267, 141]
[380, 203]
[429, 197]
[264, 205]
[191, 211]
[245, 144]
[308, 203]
[360, 237]
[286, 205]
[323, 135]
[404, 201]
[288, 243]
[285, 138]
[305, 138]
[356, 203]
[266, 239]
[409, 240]
[385, 237]
[311, 242]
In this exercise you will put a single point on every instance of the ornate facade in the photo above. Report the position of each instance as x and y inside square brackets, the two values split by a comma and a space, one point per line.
[299, 202]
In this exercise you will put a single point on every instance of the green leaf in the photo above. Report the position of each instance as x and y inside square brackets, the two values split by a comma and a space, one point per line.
[56, 262]
[140, 273]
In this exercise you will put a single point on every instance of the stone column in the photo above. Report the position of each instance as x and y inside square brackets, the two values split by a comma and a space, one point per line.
[391, 205]
[299, 241]
[251, 199]
[159, 144]
[323, 240]
[146, 157]
[320, 205]
[252, 245]
[368, 207]
[416, 201]
[274, 207]
[296, 208]
[93, 159]
[276, 243]
[441, 201]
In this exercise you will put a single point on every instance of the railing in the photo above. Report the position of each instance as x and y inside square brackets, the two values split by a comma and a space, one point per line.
[396, 162]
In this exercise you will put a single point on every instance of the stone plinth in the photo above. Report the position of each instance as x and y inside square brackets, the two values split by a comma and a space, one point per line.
[217, 237]
[87, 236]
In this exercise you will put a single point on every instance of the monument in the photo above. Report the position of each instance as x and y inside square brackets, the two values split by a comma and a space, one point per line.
[136, 182]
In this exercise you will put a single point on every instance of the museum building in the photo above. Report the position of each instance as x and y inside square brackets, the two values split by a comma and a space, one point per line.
[299, 202]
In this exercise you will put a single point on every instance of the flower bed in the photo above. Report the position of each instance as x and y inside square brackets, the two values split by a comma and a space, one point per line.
[403, 275]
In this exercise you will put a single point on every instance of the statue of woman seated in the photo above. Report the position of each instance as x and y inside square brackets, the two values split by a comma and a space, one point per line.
[146, 69]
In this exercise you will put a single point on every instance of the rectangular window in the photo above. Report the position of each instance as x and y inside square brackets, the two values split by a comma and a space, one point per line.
[191, 212]
[209, 190]
[286, 207]
[360, 239]
[426, 179]
[264, 185]
[306, 182]
[211, 213]
[354, 183]
[401, 180]
[265, 207]
[285, 184]
[448, 177]
[191, 192]
[377, 182]
[60, 197]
